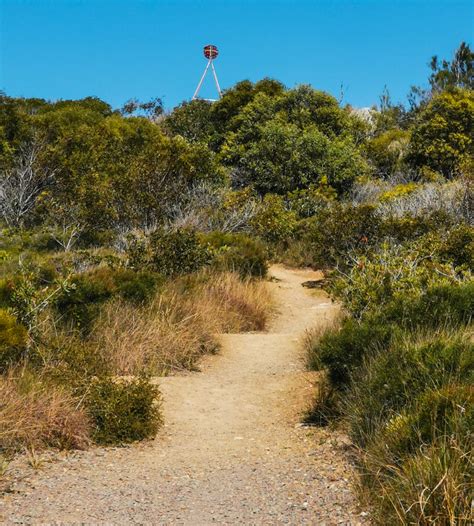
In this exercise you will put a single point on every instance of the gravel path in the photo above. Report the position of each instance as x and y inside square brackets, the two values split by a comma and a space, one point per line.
[232, 450]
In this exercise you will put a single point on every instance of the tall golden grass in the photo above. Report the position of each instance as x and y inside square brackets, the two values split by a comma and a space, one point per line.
[35, 415]
[180, 324]
[170, 333]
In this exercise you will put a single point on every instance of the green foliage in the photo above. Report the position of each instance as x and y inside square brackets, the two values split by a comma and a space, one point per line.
[81, 303]
[237, 253]
[191, 120]
[440, 412]
[177, 252]
[335, 233]
[431, 487]
[123, 410]
[13, 339]
[458, 246]
[342, 351]
[456, 73]
[386, 151]
[309, 201]
[285, 158]
[27, 295]
[441, 305]
[70, 360]
[399, 191]
[400, 374]
[390, 273]
[273, 220]
[441, 139]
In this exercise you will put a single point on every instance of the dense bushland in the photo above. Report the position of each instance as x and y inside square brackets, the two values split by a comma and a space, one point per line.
[399, 364]
[130, 237]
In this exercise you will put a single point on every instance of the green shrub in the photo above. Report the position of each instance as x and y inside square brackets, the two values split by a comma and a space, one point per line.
[440, 412]
[13, 340]
[391, 273]
[411, 227]
[342, 350]
[177, 252]
[137, 287]
[326, 406]
[123, 410]
[337, 230]
[458, 246]
[273, 221]
[237, 253]
[398, 375]
[81, 303]
[69, 359]
[440, 305]
[309, 201]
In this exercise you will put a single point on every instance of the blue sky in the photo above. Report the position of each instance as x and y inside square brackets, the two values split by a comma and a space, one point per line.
[117, 49]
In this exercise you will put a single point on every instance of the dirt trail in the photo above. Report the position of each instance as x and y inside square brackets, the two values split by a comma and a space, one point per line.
[232, 450]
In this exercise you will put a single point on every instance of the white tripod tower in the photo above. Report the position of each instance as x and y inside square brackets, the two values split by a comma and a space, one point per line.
[210, 52]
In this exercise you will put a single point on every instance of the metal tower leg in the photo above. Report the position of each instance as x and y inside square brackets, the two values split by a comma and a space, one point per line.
[202, 79]
[215, 78]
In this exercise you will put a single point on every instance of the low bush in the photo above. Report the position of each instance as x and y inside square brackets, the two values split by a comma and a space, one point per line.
[237, 253]
[392, 273]
[80, 304]
[458, 246]
[13, 340]
[177, 252]
[69, 359]
[274, 221]
[309, 201]
[123, 410]
[342, 350]
[339, 230]
[447, 411]
[440, 305]
[397, 376]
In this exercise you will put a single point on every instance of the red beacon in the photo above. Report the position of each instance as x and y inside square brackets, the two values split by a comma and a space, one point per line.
[211, 53]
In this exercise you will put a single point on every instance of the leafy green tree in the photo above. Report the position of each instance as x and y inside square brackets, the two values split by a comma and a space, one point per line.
[459, 72]
[235, 100]
[285, 158]
[442, 138]
[191, 120]
[305, 106]
[446, 75]
[387, 150]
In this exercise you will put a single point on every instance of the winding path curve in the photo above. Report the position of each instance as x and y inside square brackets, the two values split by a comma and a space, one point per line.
[232, 450]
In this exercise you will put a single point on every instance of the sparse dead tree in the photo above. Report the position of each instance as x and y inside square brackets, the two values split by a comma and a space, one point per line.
[67, 225]
[21, 184]
[203, 207]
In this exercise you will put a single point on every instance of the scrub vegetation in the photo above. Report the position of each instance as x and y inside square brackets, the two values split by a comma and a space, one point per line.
[130, 238]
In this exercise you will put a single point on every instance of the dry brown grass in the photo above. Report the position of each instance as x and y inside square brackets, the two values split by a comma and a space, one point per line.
[34, 415]
[233, 304]
[180, 325]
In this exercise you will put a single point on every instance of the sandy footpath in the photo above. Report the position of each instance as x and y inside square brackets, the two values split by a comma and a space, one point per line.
[232, 450]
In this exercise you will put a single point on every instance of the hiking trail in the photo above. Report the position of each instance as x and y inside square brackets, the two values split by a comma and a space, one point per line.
[232, 450]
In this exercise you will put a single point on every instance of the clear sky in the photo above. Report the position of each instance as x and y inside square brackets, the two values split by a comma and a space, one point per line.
[119, 49]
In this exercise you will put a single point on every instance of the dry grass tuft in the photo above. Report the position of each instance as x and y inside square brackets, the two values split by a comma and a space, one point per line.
[233, 304]
[180, 325]
[35, 415]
